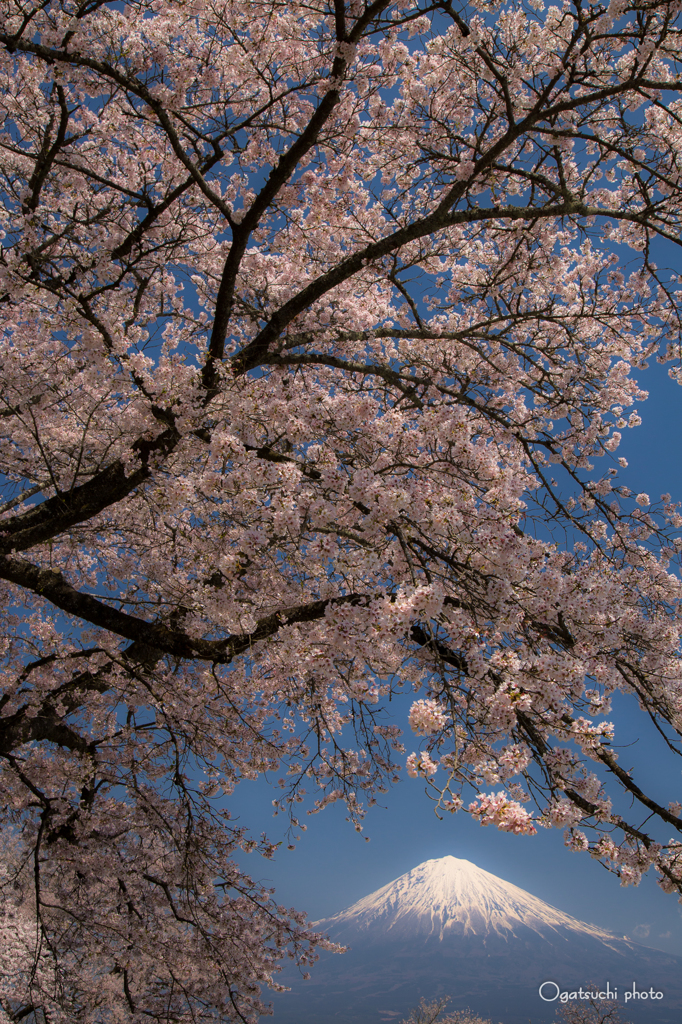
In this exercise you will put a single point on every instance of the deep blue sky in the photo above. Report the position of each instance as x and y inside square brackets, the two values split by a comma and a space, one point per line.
[332, 866]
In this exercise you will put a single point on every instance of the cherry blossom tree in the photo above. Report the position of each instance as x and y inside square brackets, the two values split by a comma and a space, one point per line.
[591, 1012]
[433, 1013]
[317, 318]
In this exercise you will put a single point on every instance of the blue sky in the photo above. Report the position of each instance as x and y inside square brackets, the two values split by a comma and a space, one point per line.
[332, 866]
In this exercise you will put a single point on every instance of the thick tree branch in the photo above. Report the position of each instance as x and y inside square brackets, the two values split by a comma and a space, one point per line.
[64, 511]
[55, 588]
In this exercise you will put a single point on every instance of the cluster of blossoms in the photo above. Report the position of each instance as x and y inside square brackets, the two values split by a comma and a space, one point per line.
[420, 764]
[587, 733]
[576, 840]
[561, 813]
[427, 717]
[497, 809]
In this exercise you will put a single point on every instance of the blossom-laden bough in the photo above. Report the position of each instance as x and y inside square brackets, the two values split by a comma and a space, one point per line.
[319, 321]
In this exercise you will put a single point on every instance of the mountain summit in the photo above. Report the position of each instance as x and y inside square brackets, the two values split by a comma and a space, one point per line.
[450, 928]
[451, 897]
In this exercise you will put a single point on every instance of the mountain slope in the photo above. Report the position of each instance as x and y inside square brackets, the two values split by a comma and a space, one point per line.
[449, 928]
[448, 897]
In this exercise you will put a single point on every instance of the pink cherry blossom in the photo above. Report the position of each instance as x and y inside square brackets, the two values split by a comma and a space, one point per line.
[426, 717]
[498, 809]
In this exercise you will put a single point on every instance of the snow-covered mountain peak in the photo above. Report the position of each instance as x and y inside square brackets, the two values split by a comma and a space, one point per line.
[448, 926]
[451, 896]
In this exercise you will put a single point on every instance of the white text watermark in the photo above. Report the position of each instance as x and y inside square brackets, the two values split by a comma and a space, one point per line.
[549, 992]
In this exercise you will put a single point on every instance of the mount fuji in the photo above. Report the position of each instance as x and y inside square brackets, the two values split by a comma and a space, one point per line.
[449, 928]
